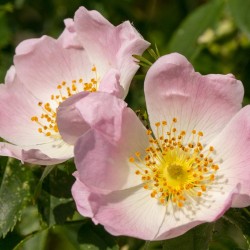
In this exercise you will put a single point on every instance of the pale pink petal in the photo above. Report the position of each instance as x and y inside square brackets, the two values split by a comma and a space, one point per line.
[103, 161]
[130, 212]
[85, 110]
[17, 107]
[205, 103]
[110, 84]
[46, 64]
[7, 149]
[109, 46]
[134, 44]
[241, 200]
[96, 33]
[233, 155]
[215, 202]
[10, 75]
[81, 194]
[70, 121]
[47, 154]
[35, 154]
[68, 38]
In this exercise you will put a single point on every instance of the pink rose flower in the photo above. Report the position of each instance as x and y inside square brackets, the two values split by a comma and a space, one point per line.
[189, 168]
[90, 55]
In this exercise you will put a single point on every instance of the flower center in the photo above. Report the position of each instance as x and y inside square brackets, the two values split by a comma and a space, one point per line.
[47, 120]
[173, 168]
[175, 171]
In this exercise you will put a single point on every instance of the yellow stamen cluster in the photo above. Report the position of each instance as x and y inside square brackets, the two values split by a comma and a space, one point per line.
[173, 169]
[47, 120]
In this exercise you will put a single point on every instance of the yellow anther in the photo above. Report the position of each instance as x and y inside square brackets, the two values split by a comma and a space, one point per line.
[34, 118]
[59, 86]
[164, 123]
[200, 133]
[138, 154]
[211, 148]
[157, 124]
[180, 204]
[194, 131]
[73, 87]
[212, 177]
[131, 159]
[56, 129]
[174, 120]
[153, 194]
[137, 172]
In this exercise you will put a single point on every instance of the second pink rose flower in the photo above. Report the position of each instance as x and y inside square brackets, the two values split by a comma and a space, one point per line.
[190, 168]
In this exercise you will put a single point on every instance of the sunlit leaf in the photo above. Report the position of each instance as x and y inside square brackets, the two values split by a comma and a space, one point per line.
[240, 11]
[197, 238]
[15, 193]
[36, 240]
[185, 38]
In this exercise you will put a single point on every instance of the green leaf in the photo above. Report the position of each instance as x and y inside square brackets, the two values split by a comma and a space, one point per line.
[197, 238]
[64, 211]
[240, 218]
[79, 235]
[5, 31]
[228, 235]
[185, 39]
[94, 237]
[15, 193]
[46, 172]
[240, 12]
[35, 240]
[59, 182]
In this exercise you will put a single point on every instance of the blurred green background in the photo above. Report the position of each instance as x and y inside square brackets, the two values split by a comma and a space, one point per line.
[214, 35]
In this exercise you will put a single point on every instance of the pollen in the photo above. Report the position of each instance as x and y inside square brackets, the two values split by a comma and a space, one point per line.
[46, 121]
[176, 167]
